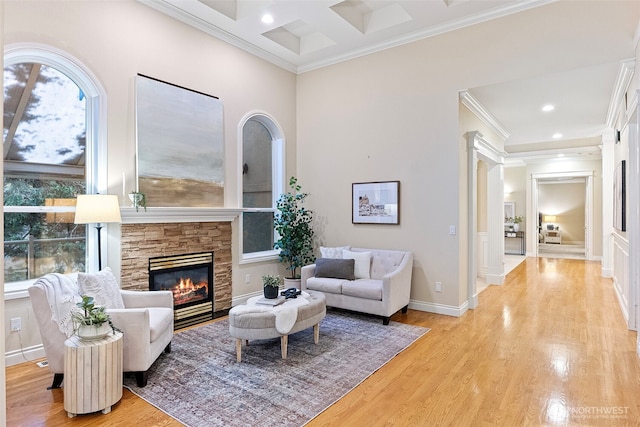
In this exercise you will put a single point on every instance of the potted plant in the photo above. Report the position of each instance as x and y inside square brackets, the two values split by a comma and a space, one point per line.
[271, 286]
[295, 233]
[138, 199]
[516, 222]
[91, 321]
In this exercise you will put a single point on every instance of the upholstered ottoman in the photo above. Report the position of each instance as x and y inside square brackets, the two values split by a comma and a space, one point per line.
[253, 321]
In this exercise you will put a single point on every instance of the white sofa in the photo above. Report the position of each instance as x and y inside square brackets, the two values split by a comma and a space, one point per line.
[146, 322]
[386, 290]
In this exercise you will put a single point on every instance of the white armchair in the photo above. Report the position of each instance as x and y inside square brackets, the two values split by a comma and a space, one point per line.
[146, 323]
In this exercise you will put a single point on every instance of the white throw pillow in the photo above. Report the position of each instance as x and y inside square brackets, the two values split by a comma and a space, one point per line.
[336, 252]
[103, 287]
[362, 263]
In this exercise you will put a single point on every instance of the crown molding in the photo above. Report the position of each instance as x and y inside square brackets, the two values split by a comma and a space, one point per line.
[169, 9]
[625, 74]
[436, 30]
[212, 30]
[483, 114]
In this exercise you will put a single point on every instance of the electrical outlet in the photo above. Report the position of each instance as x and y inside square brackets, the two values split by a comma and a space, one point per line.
[247, 278]
[438, 286]
[16, 324]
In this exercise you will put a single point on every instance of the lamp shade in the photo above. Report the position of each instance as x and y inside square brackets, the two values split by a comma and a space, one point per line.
[91, 208]
[549, 218]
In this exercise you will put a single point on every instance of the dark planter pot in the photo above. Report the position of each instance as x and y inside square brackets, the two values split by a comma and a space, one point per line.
[270, 292]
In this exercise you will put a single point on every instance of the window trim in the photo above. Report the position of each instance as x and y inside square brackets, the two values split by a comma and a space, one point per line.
[277, 178]
[96, 162]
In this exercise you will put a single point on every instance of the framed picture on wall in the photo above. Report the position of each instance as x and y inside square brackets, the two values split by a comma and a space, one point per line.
[376, 202]
[620, 197]
[509, 212]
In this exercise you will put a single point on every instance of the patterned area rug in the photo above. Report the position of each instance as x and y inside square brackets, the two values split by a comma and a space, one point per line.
[199, 382]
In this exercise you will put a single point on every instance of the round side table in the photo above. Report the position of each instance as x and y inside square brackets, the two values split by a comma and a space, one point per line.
[92, 374]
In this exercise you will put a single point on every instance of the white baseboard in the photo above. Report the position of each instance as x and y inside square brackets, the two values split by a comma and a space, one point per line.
[242, 299]
[431, 307]
[15, 357]
[495, 279]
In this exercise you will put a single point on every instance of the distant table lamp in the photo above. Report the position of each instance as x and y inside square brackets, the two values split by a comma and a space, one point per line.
[549, 219]
[97, 208]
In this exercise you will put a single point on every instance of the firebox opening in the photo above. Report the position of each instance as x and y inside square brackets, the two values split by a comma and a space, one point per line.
[190, 278]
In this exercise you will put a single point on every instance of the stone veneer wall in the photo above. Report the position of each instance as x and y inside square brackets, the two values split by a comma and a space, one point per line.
[143, 241]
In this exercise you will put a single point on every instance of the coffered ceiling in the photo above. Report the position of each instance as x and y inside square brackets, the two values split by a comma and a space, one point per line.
[308, 34]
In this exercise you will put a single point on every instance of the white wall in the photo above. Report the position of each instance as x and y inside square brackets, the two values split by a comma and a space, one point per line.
[394, 115]
[118, 39]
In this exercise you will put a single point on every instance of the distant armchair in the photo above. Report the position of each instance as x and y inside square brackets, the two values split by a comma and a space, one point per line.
[145, 318]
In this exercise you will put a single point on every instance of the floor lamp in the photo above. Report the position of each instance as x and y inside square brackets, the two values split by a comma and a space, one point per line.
[97, 208]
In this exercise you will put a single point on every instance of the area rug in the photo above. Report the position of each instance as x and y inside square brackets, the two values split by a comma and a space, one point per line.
[200, 383]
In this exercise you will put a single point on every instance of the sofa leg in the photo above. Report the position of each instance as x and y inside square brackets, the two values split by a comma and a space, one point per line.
[385, 320]
[167, 349]
[57, 381]
[141, 378]
[405, 308]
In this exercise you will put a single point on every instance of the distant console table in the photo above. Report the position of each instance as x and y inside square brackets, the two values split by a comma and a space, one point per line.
[518, 235]
[553, 236]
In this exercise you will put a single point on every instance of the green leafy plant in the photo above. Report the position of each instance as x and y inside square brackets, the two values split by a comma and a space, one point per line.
[517, 219]
[90, 314]
[293, 223]
[271, 280]
[138, 199]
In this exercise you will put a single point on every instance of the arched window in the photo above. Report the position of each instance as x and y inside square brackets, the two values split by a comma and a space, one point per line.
[262, 178]
[51, 132]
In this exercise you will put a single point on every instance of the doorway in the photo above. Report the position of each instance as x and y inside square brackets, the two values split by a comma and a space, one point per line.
[563, 206]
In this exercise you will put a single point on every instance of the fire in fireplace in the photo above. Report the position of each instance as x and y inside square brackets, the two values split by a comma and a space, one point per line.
[190, 278]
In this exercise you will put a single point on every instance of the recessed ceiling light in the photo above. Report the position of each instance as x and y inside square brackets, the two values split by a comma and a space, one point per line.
[548, 108]
[267, 19]
[557, 135]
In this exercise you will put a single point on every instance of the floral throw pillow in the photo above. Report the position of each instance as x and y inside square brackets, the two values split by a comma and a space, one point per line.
[102, 286]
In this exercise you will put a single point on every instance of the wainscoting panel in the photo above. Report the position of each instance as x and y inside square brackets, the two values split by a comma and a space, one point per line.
[621, 273]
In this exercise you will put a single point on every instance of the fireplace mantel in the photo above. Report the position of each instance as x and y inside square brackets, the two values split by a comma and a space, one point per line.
[162, 215]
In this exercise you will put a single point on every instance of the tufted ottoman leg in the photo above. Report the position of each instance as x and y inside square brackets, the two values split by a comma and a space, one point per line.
[316, 333]
[238, 350]
[284, 341]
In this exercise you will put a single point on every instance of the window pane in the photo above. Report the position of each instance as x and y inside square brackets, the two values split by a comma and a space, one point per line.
[257, 187]
[257, 230]
[50, 128]
[257, 184]
[41, 243]
[44, 136]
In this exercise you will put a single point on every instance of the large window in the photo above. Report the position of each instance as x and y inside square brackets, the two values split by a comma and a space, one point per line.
[261, 184]
[48, 128]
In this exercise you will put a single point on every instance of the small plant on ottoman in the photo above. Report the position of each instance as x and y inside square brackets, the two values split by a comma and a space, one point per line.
[271, 285]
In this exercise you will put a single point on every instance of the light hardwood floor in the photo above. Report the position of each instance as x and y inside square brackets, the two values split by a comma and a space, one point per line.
[549, 347]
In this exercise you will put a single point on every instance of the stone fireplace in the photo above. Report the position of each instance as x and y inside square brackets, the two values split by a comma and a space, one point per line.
[142, 241]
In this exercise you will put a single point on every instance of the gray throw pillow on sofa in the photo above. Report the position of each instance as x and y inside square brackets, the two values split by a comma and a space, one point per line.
[335, 268]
